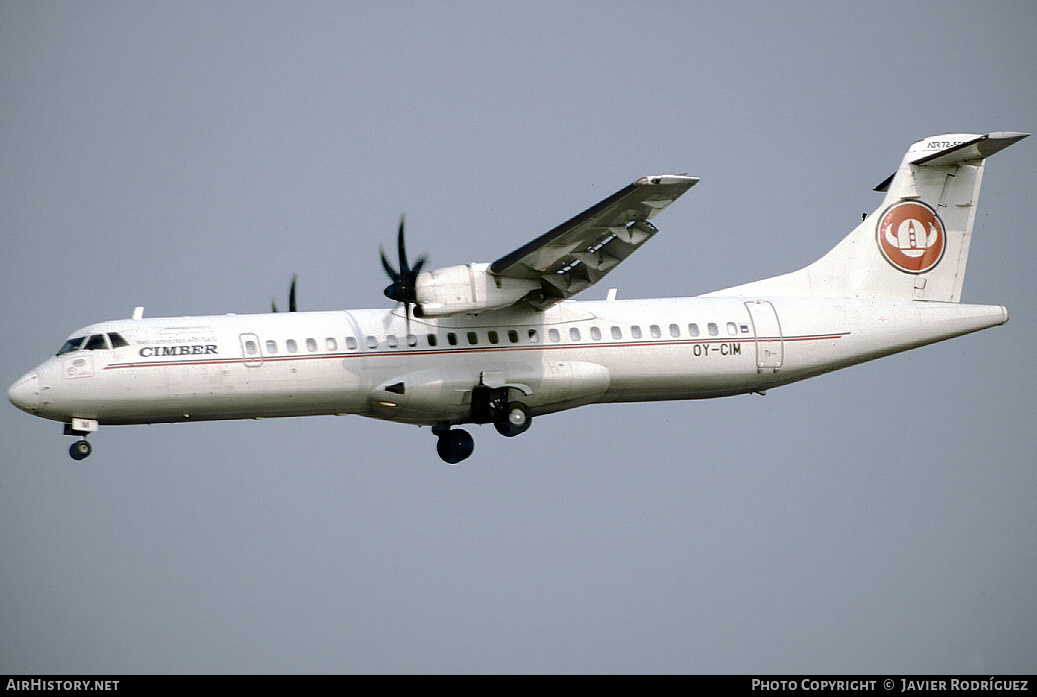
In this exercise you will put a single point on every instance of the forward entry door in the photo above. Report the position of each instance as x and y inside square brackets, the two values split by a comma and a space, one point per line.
[250, 351]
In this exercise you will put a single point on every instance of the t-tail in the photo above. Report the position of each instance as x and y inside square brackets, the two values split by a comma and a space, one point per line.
[913, 246]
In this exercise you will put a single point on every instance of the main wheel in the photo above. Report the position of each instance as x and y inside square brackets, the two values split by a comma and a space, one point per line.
[79, 450]
[455, 445]
[516, 420]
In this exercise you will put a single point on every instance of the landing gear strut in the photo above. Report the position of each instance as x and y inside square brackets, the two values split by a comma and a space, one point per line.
[454, 444]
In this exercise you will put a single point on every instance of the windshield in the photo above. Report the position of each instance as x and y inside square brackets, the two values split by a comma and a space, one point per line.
[71, 345]
[96, 342]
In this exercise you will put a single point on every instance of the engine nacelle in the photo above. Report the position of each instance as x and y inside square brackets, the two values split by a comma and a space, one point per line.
[467, 288]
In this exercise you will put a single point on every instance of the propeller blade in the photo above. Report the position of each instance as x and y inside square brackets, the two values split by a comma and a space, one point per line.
[401, 248]
[291, 296]
[388, 267]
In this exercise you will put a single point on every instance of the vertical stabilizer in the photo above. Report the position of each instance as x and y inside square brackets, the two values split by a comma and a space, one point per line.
[916, 244]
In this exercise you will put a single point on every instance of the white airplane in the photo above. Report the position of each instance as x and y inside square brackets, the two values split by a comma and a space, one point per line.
[502, 343]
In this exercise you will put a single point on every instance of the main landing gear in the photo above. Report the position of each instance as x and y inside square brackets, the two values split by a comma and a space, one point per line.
[454, 444]
[509, 418]
[515, 419]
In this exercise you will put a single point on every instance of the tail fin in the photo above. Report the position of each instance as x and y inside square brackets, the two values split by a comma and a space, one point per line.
[915, 245]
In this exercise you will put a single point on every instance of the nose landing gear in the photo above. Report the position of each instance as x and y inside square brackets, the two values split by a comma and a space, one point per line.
[82, 428]
[80, 449]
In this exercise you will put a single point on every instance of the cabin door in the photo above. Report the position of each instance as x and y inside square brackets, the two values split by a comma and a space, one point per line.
[251, 352]
[770, 350]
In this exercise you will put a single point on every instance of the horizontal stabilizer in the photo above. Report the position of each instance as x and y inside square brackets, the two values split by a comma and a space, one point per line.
[976, 149]
[958, 148]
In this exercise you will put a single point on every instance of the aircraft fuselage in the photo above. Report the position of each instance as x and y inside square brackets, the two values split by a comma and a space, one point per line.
[366, 362]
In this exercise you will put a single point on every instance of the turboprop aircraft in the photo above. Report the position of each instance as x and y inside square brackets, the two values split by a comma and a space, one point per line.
[503, 343]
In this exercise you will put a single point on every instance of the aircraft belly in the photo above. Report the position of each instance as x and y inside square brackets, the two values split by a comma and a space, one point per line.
[683, 371]
[438, 389]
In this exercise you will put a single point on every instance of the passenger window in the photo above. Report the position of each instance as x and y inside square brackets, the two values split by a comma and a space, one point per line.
[271, 346]
[451, 338]
[251, 348]
[712, 327]
[693, 329]
[473, 338]
[351, 343]
[574, 333]
[595, 334]
[71, 345]
[554, 335]
[534, 336]
[372, 342]
[117, 340]
[635, 331]
[391, 340]
[431, 339]
[617, 333]
[311, 345]
[513, 336]
[675, 331]
[330, 344]
[96, 342]
[492, 336]
[291, 346]
[656, 332]
[732, 329]
[412, 340]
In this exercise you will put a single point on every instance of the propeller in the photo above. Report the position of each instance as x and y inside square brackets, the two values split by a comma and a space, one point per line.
[404, 281]
[291, 296]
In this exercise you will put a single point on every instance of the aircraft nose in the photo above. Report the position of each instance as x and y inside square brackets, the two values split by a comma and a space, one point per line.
[25, 393]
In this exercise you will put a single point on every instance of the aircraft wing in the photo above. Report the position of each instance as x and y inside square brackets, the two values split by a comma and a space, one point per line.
[577, 253]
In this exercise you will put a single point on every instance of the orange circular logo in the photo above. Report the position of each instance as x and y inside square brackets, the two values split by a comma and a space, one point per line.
[911, 236]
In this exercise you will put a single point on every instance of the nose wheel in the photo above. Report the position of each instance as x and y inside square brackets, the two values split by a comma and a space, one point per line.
[80, 449]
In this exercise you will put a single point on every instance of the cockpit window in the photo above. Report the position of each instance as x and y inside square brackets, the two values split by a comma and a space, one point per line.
[71, 345]
[117, 340]
[96, 342]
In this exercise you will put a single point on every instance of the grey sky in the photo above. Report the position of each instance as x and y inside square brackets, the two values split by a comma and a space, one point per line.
[189, 157]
